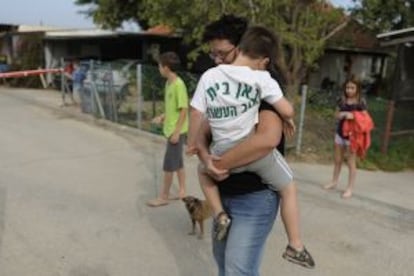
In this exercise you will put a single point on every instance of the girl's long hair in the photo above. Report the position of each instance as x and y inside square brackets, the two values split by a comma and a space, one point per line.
[358, 89]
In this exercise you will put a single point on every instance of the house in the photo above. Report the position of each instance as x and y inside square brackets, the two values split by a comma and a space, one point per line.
[50, 45]
[107, 45]
[15, 40]
[6, 45]
[352, 51]
[21, 48]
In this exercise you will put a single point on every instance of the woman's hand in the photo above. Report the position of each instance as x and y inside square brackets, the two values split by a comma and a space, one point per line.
[212, 171]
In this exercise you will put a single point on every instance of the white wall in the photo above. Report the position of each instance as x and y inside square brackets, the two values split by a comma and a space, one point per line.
[331, 65]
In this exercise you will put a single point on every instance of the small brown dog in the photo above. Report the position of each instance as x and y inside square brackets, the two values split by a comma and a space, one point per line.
[199, 211]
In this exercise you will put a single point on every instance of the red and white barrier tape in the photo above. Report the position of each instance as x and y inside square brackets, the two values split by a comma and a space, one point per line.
[19, 74]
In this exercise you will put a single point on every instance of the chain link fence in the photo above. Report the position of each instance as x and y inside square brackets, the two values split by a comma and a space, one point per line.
[131, 93]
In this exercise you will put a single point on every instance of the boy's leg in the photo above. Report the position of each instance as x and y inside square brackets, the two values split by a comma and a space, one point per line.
[172, 163]
[289, 211]
[162, 198]
[169, 167]
[274, 170]
[181, 183]
[77, 94]
[71, 94]
[295, 251]
[66, 90]
[211, 192]
[168, 179]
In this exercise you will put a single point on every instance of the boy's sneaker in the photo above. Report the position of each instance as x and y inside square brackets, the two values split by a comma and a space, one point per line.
[302, 257]
[221, 226]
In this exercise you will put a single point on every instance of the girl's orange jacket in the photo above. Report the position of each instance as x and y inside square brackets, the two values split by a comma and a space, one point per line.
[358, 131]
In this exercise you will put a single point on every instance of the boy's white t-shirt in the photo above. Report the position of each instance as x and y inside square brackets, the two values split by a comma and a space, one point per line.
[229, 96]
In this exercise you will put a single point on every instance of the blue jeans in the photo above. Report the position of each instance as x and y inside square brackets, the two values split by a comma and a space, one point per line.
[253, 216]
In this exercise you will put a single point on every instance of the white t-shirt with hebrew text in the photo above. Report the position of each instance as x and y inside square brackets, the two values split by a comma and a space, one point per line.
[229, 97]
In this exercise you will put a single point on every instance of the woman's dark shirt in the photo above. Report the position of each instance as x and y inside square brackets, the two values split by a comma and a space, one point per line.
[247, 182]
[266, 106]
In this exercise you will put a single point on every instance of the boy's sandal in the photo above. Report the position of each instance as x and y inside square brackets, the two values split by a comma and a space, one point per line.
[302, 257]
[221, 225]
[157, 202]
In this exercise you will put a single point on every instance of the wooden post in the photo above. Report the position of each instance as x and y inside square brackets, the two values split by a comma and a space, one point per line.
[388, 126]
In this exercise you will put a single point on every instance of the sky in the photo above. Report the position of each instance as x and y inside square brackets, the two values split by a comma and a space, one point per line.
[342, 3]
[59, 13]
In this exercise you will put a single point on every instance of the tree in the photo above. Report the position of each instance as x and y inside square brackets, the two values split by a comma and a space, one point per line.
[384, 15]
[110, 14]
[303, 26]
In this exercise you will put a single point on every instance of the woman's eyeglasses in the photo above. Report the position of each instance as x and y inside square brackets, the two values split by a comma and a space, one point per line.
[222, 55]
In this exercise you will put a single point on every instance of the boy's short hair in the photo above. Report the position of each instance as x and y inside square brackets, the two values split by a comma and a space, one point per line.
[228, 27]
[170, 59]
[258, 42]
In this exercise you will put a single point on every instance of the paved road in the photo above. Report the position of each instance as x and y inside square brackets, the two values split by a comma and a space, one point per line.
[72, 196]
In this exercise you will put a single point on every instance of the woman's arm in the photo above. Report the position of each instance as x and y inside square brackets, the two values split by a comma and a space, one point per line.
[266, 137]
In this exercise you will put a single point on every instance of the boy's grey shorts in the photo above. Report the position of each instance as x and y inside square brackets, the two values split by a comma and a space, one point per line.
[272, 168]
[173, 158]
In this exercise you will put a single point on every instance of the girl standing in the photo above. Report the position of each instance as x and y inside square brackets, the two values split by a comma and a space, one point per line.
[350, 101]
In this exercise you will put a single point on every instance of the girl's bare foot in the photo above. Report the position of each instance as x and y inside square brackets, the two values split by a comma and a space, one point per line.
[181, 194]
[347, 194]
[330, 186]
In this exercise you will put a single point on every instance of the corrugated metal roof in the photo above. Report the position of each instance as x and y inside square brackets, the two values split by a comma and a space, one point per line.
[397, 32]
[99, 33]
[83, 33]
[34, 28]
[398, 37]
